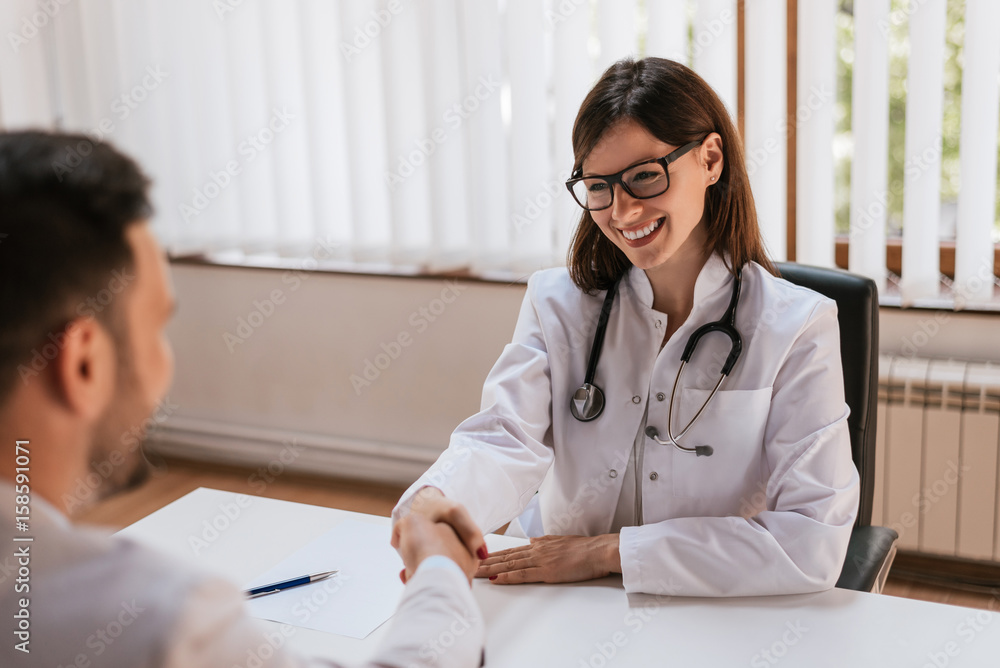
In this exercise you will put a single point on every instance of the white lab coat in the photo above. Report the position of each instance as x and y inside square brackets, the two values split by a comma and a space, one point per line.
[770, 512]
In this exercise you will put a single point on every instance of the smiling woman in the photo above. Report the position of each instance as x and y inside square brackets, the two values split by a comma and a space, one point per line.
[681, 110]
[757, 493]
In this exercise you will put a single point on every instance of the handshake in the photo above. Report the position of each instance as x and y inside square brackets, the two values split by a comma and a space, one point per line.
[438, 526]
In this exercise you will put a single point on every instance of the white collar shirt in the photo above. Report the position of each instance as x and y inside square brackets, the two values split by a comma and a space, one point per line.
[98, 601]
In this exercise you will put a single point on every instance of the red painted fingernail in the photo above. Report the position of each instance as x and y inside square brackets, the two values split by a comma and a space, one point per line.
[493, 577]
[483, 552]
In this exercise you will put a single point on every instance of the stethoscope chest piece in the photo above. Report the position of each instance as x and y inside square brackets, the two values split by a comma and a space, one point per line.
[587, 402]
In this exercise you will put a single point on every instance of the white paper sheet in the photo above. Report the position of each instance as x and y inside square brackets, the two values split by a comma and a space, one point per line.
[356, 601]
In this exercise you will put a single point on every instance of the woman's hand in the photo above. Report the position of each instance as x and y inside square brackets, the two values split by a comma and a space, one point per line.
[431, 503]
[554, 559]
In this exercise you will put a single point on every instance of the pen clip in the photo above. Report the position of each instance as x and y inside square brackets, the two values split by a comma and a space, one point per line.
[264, 593]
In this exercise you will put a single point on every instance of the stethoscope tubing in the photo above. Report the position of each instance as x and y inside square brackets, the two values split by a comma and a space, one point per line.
[602, 328]
[587, 403]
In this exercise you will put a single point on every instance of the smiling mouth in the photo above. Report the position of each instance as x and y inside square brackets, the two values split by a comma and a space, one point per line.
[633, 235]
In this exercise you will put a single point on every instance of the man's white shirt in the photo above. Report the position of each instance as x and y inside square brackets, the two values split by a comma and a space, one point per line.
[97, 600]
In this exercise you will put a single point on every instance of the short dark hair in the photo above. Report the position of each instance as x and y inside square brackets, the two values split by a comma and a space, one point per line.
[65, 203]
[676, 106]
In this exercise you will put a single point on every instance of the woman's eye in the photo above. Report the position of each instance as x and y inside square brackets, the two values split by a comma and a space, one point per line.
[644, 177]
[597, 187]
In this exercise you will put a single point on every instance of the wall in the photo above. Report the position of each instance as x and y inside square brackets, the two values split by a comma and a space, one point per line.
[281, 392]
[944, 334]
[277, 391]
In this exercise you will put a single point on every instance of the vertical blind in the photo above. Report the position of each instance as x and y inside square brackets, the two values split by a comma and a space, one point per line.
[922, 178]
[873, 24]
[870, 134]
[816, 83]
[765, 124]
[974, 263]
[435, 135]
[432, 134]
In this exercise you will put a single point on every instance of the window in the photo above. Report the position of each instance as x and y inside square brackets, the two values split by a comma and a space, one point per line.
[412, 137]
[913, 124]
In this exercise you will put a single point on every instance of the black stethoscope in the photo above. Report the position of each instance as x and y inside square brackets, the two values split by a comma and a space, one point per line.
[587, 403]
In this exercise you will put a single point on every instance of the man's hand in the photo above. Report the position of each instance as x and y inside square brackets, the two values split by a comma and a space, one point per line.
[554, 559]
[417, 538]
[431, 503]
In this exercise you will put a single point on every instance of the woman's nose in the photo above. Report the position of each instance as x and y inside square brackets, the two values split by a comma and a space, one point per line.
[623, 205]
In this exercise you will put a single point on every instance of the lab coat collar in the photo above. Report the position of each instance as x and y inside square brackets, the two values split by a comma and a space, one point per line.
[713, 276]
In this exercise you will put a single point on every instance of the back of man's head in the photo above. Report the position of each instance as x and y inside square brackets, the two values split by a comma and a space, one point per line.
[65, 204]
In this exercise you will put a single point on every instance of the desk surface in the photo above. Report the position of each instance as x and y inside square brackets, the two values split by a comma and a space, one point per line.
[596, 623]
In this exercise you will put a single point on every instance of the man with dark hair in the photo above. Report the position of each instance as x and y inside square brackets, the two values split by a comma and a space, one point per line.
[67, 261]
[85, 296]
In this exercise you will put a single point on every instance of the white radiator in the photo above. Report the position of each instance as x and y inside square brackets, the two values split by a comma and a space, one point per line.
[937, 472]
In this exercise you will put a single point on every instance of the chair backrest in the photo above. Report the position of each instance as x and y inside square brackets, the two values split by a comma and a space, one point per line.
[857, 307]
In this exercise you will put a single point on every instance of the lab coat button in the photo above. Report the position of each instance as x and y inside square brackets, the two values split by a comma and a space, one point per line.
[636, 399]
[659, 323]
[654, 475]
[660, 396]
[613, 473]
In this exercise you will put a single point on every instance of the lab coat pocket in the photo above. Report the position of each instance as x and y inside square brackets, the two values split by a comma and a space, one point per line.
[733, 424]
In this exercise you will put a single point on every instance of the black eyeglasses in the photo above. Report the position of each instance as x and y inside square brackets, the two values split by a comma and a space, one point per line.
[643, 181]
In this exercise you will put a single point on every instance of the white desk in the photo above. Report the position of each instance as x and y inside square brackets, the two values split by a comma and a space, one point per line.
[595, 623]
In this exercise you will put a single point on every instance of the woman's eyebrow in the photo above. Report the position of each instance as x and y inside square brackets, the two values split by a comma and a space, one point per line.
[585, 174]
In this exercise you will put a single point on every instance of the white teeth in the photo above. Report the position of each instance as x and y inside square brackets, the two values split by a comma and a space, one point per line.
[638, 234]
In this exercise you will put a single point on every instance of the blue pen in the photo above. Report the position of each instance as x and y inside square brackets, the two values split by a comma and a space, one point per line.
[288, 584]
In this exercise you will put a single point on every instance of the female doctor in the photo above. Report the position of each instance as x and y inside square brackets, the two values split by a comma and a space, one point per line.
[613, 455]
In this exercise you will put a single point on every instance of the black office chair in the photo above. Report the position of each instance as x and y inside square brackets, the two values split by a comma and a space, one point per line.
[872, 548]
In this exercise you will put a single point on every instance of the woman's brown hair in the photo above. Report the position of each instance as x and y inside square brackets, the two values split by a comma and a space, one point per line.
[676, 106]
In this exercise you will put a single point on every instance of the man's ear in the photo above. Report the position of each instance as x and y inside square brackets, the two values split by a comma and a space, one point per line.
[86, 368]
